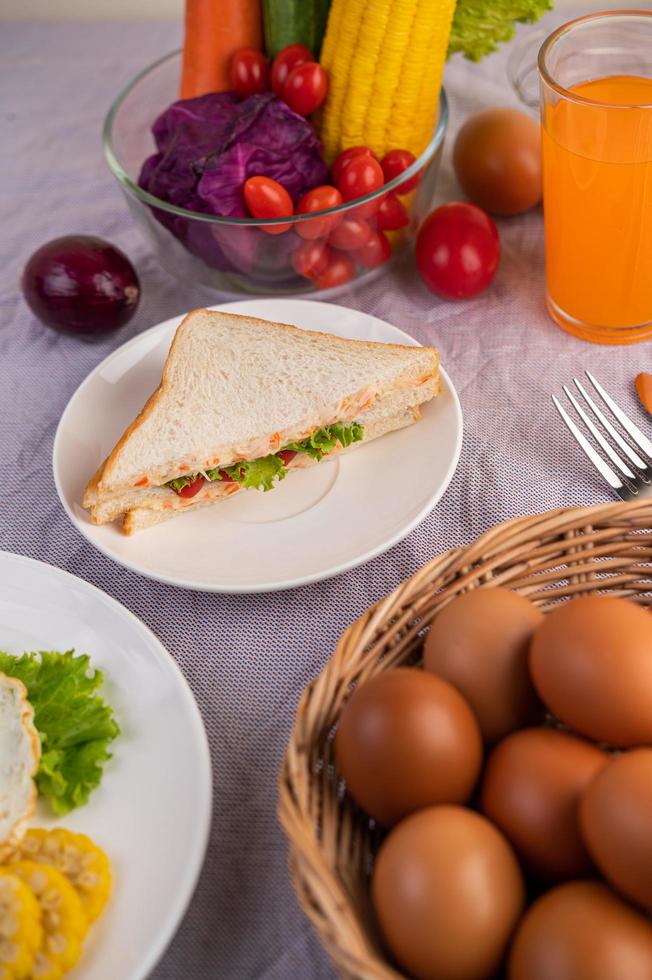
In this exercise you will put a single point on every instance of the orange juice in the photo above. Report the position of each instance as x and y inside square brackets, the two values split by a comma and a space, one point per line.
[597, 193]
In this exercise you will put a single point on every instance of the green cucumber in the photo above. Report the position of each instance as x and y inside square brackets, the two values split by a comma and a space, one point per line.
[294, 22]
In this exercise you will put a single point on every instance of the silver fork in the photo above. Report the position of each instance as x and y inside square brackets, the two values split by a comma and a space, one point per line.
[631, 475]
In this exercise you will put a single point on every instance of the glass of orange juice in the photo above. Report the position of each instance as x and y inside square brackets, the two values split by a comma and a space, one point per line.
[596, 120]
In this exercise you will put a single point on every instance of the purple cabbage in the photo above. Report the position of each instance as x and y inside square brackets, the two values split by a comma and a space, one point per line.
[207, 148]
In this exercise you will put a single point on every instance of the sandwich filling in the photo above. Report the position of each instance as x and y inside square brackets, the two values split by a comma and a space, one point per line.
[260, 473]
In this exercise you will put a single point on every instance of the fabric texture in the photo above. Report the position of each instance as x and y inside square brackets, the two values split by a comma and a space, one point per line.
[247, 659]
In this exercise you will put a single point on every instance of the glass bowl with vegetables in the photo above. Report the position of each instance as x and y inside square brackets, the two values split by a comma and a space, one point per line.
[232, 190]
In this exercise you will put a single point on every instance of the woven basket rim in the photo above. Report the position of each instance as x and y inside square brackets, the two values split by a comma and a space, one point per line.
[586, 543]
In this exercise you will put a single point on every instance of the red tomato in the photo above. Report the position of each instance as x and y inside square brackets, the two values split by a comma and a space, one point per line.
[287, 455]
[305, 88]
[391, 214]
[458, 250]
[266, 198]
[287, 59]
[193, 488]
[394, 163]
[351, 233]
[362, 175]
[376, 251]
[310, 259]
[318, 199]
[338, 271]
[344, 158]
[249, 72]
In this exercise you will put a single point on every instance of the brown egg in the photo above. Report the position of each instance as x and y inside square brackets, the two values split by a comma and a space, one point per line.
[531, 790]
[616, 823]
[581, 931]
[480, 643]
[447, 891]
[406, 740]
[591, 662]
[497, 159]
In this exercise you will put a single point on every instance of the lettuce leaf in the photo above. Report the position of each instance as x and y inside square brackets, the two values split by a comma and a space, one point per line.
[258, 474]
[324, 440]
[480, 25]
[74, 723]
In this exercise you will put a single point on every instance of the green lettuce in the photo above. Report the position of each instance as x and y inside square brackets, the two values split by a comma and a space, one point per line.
[480, 25]
[324, 440]
[74, 723]
[260, 473]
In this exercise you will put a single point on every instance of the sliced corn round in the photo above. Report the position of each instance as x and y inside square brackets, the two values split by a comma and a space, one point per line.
[21, 933]
[64, 921]
[84, 864]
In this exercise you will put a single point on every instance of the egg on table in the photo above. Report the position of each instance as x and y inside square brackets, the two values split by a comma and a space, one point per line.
[20, 752]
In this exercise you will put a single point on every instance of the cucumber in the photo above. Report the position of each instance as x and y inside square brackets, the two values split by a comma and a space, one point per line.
[294, 22]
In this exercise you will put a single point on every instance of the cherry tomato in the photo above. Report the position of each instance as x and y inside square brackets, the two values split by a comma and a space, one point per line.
[394, 163]
[193, 488]
[344, 158]
[287, 59]
[318, 199]
[305, 88]
[391, 214]
[266, 198]
[351, 233]
[374, 252]
[458, 250]
[249, 72]
[338, 271]
[310, 259]
[287, 455]
[360, 176]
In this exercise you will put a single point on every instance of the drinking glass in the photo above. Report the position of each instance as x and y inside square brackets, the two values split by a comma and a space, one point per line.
[596, 117]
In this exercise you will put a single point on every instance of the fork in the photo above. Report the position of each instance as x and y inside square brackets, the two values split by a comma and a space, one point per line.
[631, 476]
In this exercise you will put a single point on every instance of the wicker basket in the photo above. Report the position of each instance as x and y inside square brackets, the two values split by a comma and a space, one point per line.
[562, 553]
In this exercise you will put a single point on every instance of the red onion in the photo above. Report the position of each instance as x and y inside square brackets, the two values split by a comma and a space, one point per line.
[81, 285]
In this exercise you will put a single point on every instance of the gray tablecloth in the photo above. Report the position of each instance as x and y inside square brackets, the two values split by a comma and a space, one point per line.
[248, 659]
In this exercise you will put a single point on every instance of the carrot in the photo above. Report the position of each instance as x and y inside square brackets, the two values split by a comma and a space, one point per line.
[214, 31]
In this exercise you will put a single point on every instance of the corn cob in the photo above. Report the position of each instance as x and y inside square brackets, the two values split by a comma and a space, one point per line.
[85, 866]
[63, 918]
[385, 60]
[21, 933]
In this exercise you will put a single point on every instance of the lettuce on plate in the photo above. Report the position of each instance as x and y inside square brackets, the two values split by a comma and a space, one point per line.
[74, 722]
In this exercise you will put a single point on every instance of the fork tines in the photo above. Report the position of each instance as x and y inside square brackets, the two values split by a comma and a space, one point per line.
[631, 474]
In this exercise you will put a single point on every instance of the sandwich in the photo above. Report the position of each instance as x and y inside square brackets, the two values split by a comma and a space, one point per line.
[243, 403]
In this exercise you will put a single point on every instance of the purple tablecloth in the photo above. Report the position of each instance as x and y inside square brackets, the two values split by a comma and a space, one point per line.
[247, 659]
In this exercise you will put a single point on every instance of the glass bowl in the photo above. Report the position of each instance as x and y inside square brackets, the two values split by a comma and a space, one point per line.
[236, 255]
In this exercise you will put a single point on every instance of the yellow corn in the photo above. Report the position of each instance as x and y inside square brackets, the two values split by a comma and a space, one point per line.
[385, 60]
[85, 866]
[64, 921]
[21, 933]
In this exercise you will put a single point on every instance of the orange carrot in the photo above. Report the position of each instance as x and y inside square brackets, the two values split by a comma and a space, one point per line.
[644, 390]
[215, 30]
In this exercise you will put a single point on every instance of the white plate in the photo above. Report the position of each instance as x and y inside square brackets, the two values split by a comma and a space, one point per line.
[319, 523]
[151, 813]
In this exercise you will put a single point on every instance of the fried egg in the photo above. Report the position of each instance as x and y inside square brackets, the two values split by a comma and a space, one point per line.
[20, 751]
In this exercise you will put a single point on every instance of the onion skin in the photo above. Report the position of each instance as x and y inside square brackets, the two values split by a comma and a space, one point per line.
[81, 285]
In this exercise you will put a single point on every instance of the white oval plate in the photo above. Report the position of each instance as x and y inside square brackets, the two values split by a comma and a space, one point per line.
[152, 810]
[322, 521]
